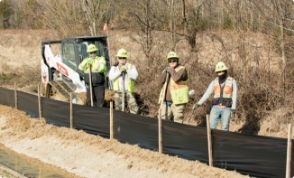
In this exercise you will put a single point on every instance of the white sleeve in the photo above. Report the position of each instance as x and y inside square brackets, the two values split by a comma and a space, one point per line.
[113, 73]
[234, 97]
[132, 73]
[206, 95]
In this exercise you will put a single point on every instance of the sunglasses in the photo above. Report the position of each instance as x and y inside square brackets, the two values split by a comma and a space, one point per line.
[122, 58]
[172, 60]
[93, 52]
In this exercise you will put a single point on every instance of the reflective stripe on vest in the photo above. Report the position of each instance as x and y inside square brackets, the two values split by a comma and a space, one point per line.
[130, 82]
[227, 88]
[179, 90]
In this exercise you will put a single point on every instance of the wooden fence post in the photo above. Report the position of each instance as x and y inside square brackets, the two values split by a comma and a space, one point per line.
[209, 141]
[159, 132]
[289, 153]
[70, 111]
[111, 120]
[39, 102]
[15, 96]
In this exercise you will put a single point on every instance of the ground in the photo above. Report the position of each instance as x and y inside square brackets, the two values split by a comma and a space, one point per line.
[78, 153]
[85, 155]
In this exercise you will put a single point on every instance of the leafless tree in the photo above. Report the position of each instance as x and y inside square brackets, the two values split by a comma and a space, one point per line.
[95, 11]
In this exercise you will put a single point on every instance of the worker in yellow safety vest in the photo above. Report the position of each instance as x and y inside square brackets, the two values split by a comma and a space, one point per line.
[97, 66]
[174, 93]
[123, 76]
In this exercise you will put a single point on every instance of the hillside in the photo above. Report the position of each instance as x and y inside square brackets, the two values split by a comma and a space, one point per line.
[80, 154]
[256, 112]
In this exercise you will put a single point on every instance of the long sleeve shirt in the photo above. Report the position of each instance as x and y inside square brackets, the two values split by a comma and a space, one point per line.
[210, 90]
[98, 64]
[131, 74]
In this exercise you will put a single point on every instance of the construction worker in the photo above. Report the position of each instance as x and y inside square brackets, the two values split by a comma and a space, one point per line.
[174, 93]
[224, 100]
[97, 66]
[123, 75]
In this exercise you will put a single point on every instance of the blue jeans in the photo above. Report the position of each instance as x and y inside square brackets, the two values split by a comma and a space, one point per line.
[217, 113]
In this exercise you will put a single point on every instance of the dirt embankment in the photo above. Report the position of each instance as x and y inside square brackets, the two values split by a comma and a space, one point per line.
[92, 156]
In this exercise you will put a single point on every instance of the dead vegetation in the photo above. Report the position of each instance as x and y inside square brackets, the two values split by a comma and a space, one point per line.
[265, 89]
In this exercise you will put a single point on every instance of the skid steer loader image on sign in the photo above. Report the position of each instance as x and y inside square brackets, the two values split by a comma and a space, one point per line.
[59, 66]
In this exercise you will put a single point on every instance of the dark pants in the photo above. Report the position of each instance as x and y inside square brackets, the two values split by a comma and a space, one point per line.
[98, 93]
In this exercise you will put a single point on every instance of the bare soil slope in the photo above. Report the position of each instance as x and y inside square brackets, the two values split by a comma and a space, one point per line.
[92, 156]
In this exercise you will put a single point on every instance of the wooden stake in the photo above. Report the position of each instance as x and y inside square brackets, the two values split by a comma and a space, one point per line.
[159, 118]
[123, 93]
[39, 102]
[90, 84]
[15, 96]
[209, 141]
[159, 132]
[70, 111]
[289, 153]
[111, 120]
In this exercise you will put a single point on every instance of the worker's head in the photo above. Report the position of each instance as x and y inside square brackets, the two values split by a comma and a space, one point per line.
[172, 59]
[92, 50]
[122, 56]
[221, 68]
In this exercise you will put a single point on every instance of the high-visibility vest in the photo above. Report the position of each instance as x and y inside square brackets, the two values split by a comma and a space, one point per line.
[179, 90]
[227, 89]
[130, 82]
[223, 95]
[98, 65]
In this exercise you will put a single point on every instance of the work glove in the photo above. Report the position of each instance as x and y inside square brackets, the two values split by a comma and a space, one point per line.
[191, 93]
[123, 69]
[89, 61]
[168, 70]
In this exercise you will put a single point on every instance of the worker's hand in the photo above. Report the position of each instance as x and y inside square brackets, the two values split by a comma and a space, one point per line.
[89, 62]
[191, 92]
[123, 69]
[168, 70]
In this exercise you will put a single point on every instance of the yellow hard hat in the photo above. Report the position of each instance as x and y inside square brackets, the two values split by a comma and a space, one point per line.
[122, 53]
[92, 48]
[172, 54]
[220, 66]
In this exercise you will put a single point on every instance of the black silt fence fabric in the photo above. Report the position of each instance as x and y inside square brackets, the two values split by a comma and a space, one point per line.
[92, 120]
[185, 141]
[135, 129]
[252, 155]
[7, 97]
[55, 112]
[28, 103]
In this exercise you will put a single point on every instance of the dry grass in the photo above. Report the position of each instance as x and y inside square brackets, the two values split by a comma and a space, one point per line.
[265, 94]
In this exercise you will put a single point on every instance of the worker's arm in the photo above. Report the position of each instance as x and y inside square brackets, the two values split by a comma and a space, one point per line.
[114, 73]
[84, 65]
[180, 75]
[206, 94]
[102, 65]
[234, 97]
[132, 72]
[162, 78]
